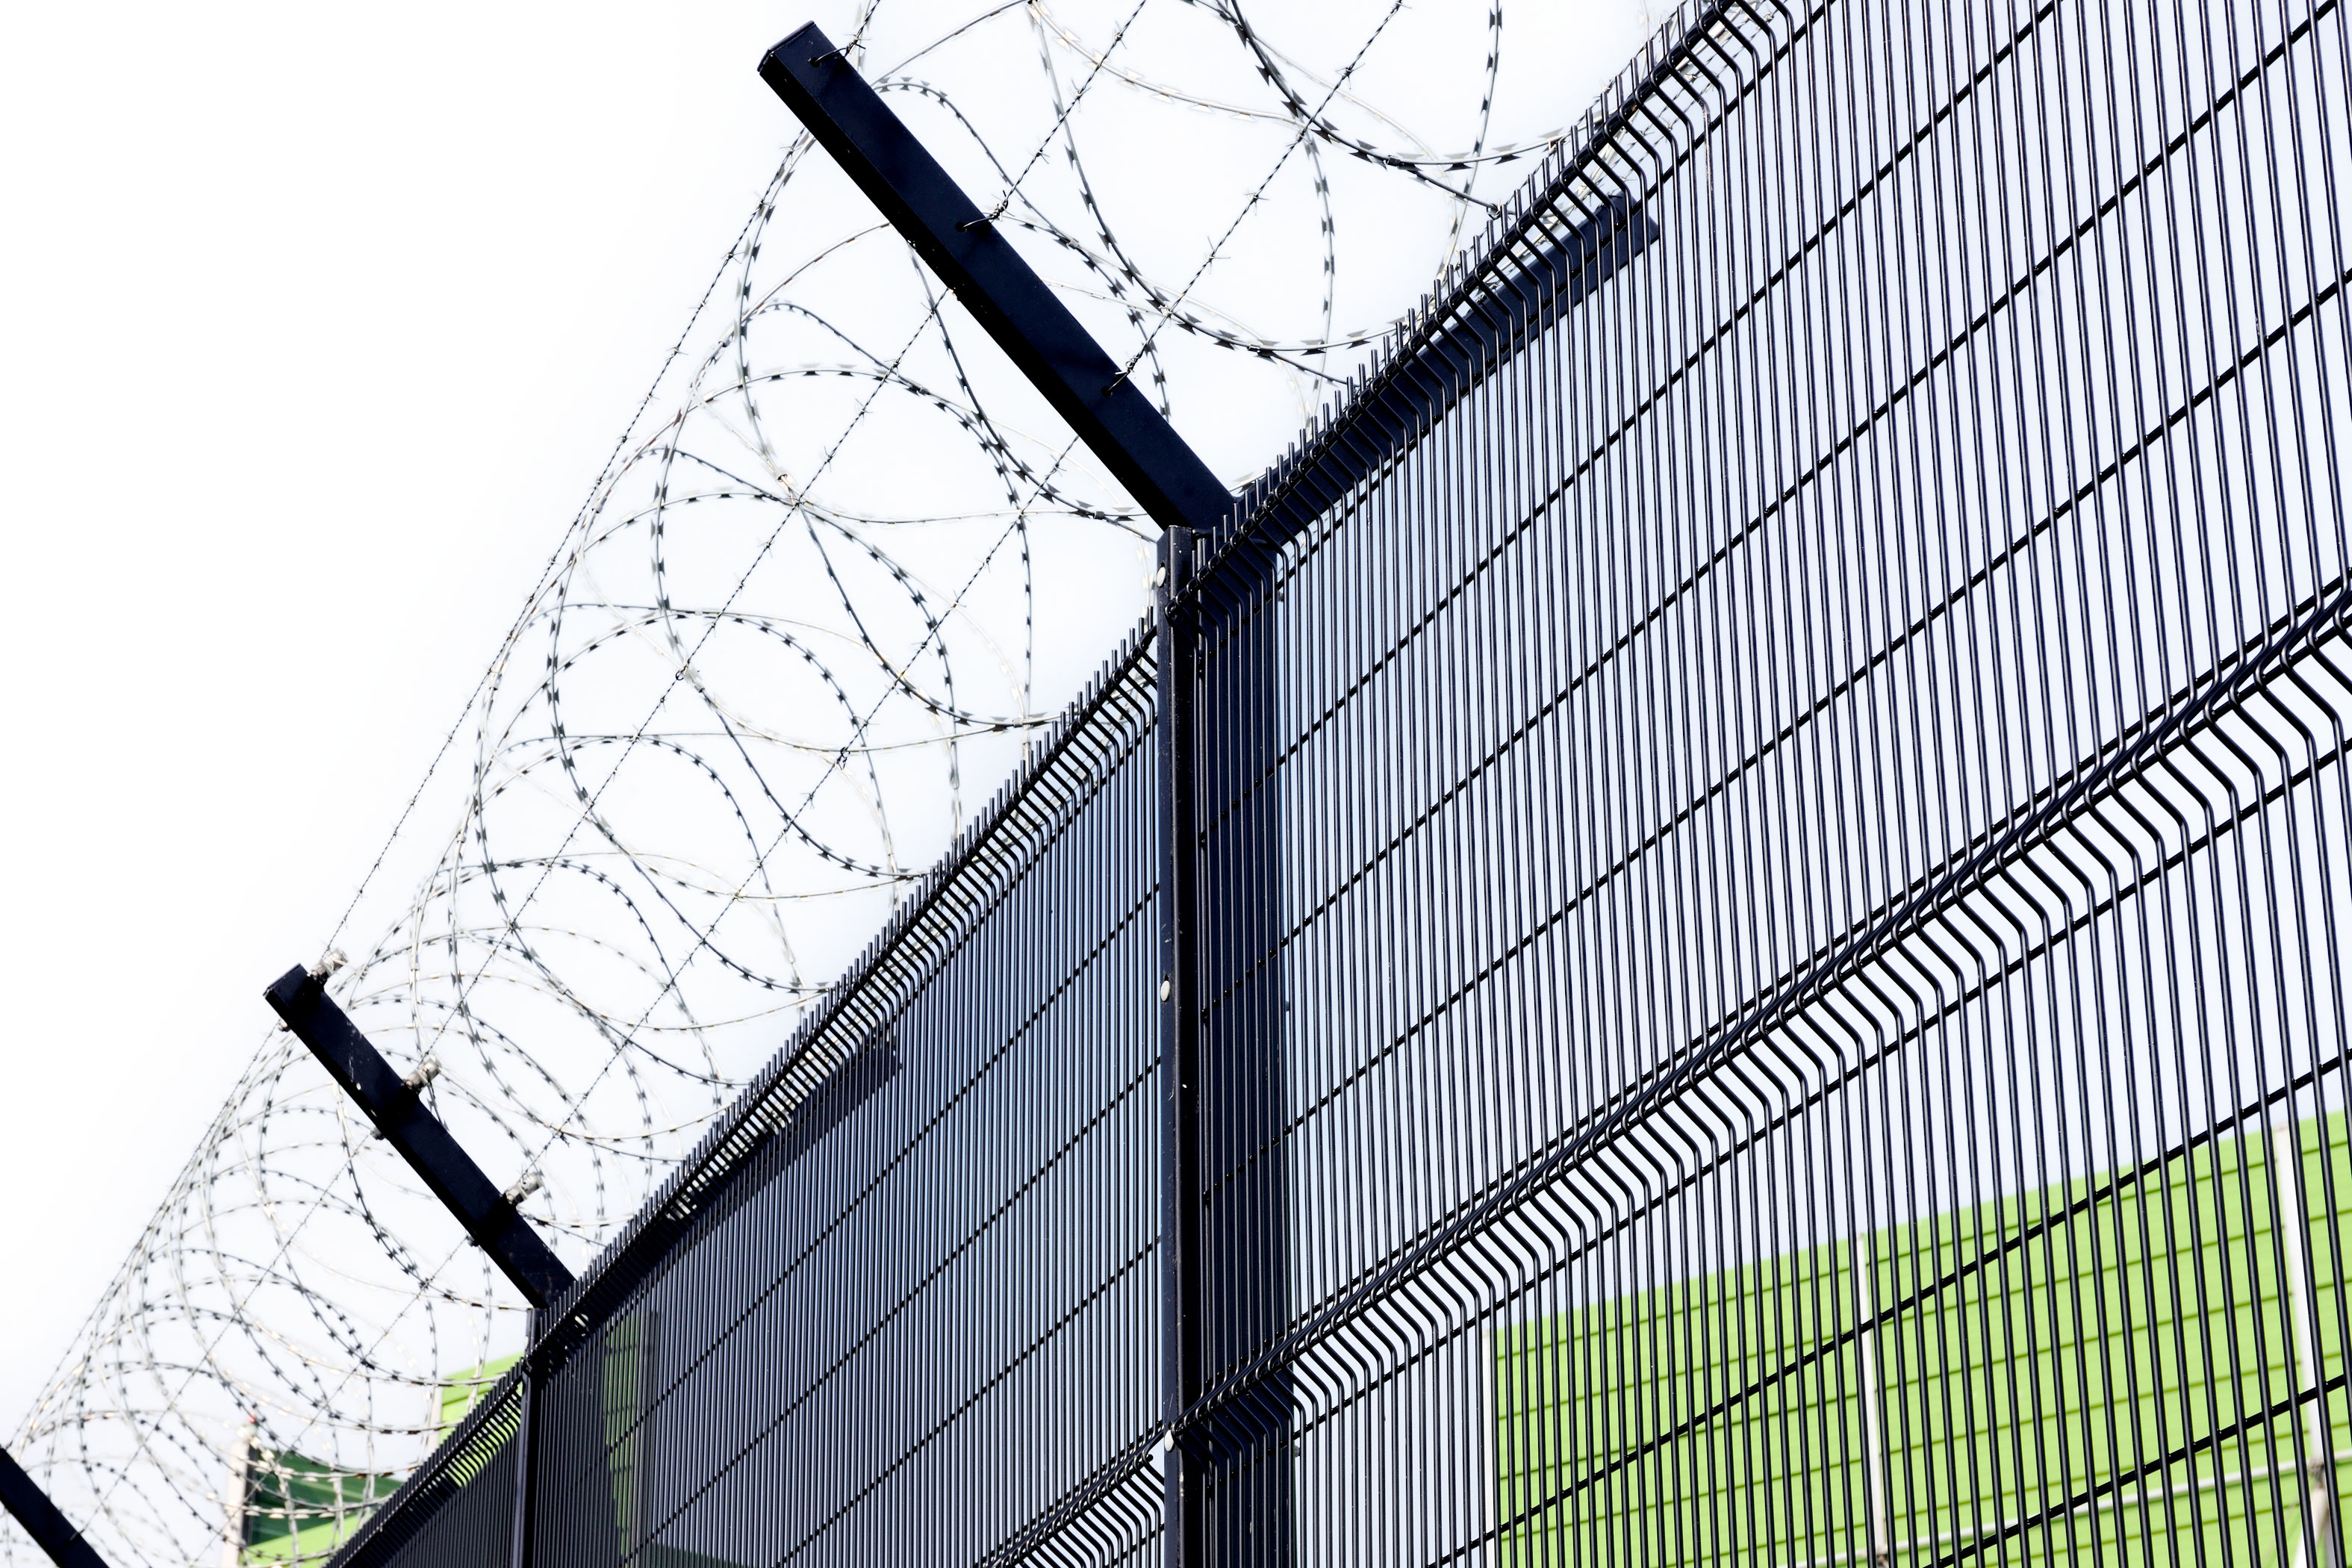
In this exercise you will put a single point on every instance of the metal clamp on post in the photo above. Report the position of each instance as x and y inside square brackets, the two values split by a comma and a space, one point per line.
[391, 1102]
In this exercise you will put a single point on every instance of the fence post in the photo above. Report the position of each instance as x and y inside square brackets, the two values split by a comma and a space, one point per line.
[1239, 971]
[525, 1447]
[1179, 1045]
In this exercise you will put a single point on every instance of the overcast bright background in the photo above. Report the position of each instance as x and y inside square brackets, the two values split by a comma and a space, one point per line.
[316, 325]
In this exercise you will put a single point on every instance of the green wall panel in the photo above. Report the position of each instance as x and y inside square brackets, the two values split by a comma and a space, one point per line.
[2110, 1371]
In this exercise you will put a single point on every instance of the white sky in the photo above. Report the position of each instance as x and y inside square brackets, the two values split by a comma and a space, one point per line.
[316, 324]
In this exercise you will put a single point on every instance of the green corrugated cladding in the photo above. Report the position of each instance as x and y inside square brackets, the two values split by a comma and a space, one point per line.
[2108, 1371]
[467, 1389]
[298, 1510]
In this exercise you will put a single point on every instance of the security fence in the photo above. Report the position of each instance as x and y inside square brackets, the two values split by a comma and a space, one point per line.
[1708, 930]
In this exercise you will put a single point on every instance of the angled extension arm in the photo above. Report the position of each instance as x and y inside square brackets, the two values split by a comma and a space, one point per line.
[300, 998]
[958, 243]
[42, 1521]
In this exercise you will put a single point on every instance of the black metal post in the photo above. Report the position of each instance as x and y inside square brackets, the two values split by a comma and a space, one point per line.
[1243, 1198]
[526, 1449]
[1182, 1282]
[42, 1521]
[300, 998]
[958, 242]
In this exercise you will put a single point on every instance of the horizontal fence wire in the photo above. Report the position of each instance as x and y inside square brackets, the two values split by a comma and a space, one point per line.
[1762, 849]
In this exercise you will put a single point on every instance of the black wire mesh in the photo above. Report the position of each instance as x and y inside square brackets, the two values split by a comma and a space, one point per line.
[460, 1506]
[921, 1230]
[1720, 943]
[1798, 842]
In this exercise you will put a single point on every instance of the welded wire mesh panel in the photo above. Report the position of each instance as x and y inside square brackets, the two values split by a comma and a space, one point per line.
[917, 1315]
[457, 1511]
[475, 1526]
[1773, 882]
